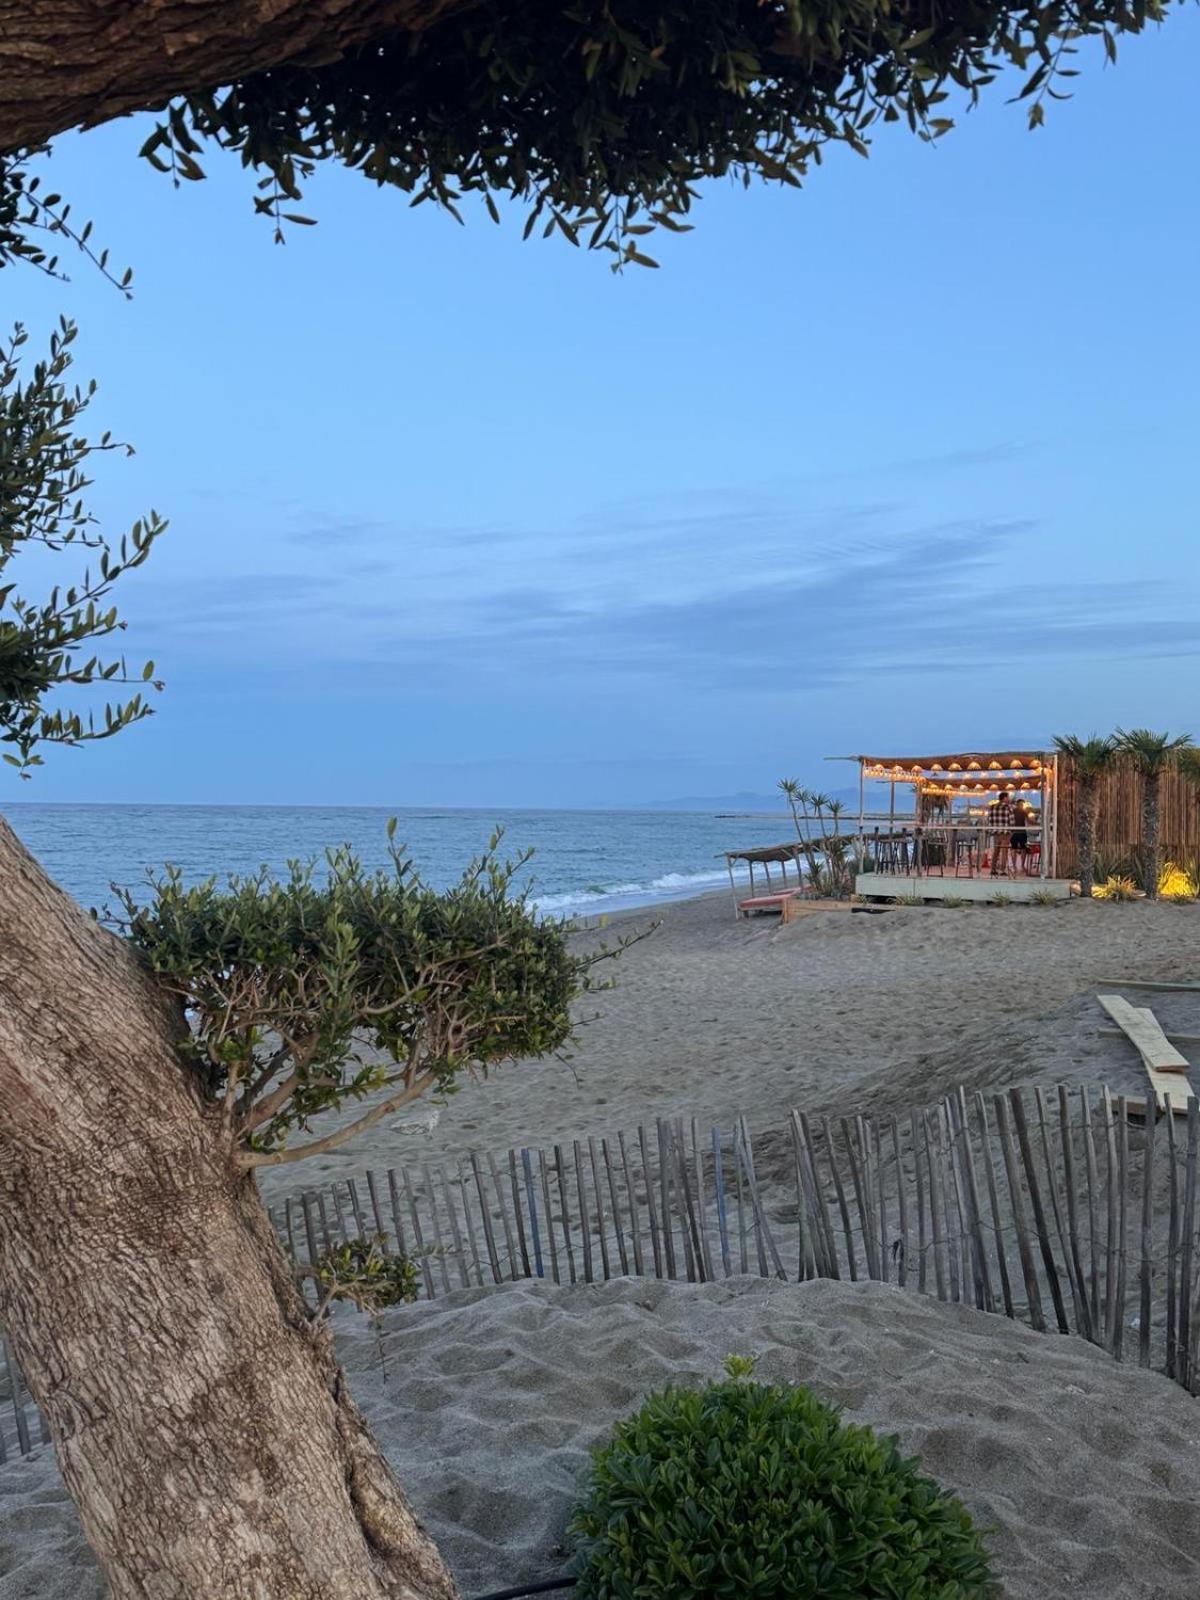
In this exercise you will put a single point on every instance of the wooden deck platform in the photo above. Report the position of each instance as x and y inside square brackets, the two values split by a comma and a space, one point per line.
[895, 886]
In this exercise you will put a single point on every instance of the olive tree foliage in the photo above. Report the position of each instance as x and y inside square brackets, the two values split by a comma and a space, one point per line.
[307, 993]
[48, 644]
[602, 116]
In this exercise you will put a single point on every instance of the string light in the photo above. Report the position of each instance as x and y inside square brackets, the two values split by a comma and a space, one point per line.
[920, 771]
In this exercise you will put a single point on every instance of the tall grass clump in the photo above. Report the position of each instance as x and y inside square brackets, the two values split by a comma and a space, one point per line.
[1179, 881]
[1116, 888]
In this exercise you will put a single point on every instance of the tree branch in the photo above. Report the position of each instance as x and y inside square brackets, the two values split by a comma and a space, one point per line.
[251, 1159]
[270, 1067]
[76, 63]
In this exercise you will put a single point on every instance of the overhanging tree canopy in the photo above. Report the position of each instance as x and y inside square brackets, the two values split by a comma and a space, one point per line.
[601, 115]
[229, 1458]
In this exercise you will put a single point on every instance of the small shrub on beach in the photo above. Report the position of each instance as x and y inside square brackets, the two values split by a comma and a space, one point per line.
[1116, 888]
[744, 1489]
[1044, 897]
[1110, 863]
[1176, 883]
[1002, 899]
[365, 1273]
[307, 993]
[910, 900]
[953, 902]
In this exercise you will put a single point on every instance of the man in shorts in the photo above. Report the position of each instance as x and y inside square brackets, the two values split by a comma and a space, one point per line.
[1001, 819]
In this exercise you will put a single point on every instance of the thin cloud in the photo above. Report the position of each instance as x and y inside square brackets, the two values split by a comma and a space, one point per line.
[708, 594]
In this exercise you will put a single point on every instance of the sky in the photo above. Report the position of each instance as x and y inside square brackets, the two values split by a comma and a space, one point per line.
[904, 459]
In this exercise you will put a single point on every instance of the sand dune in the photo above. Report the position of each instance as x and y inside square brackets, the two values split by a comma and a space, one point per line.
[1088, 1472]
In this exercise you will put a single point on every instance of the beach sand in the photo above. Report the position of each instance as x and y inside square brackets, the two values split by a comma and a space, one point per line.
[1088, 1472]
[713, 1017]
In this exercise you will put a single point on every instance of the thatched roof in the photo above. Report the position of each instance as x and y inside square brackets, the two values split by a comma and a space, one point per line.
[766, 852]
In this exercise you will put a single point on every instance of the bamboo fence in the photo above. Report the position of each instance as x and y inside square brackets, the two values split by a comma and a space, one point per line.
[1119, 814]
[1059, 1208]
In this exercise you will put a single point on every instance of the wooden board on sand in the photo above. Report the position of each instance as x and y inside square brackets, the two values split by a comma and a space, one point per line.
[1165, 1067]
[1147, 983]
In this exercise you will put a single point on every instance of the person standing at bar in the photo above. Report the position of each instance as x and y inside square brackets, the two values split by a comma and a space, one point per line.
[1022, 817]
[1000, 823]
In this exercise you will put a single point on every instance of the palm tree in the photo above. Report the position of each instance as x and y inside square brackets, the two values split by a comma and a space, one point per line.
[795, 797]
[799, 800]
[1090, 759]
[835, 849]
[1152, 755]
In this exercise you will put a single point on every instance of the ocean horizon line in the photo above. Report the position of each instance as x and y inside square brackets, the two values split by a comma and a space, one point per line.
[652, 808]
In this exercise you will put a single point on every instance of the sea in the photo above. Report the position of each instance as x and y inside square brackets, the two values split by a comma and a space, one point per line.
[586, 863]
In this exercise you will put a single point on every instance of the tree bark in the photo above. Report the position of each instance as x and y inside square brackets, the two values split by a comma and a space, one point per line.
[75, 63]
[1151, 844]
[201, 1422]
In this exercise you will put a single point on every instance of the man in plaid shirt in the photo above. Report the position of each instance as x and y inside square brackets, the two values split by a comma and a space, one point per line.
[1001, 818]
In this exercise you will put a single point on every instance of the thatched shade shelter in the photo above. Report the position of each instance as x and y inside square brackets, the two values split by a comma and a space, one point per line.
[779, 886]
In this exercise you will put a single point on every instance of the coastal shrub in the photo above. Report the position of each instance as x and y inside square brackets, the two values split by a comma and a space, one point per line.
[367, 1274]
[1175, 882]
[309, 992]
[1116, 888]
[1044, 897]
[751, 1491]
[953, 902]
[1002, 899]
[1115, 864]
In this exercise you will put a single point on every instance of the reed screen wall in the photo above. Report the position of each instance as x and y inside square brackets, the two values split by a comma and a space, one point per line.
[1119, 815]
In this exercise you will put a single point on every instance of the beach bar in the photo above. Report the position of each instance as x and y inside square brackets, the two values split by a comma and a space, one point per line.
[967, 825]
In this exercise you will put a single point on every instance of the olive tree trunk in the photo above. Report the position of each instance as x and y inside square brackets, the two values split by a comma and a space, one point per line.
[75, 63]
[201, 1422]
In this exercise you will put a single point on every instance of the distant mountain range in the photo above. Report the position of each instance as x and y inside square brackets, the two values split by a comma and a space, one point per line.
[773, 804]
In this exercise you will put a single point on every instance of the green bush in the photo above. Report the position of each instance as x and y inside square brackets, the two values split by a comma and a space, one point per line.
[367, 1274]
[305, 993]
[760, 1492]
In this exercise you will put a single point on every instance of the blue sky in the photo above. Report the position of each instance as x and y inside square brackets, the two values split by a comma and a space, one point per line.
[906, 458]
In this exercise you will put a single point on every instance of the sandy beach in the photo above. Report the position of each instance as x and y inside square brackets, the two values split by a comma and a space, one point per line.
[486, 1402]
[713, 1017]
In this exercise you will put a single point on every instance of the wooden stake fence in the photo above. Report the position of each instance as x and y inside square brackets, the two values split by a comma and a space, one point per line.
[1055, 1207]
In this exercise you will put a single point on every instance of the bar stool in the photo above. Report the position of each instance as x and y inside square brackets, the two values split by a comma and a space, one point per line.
[965, 845]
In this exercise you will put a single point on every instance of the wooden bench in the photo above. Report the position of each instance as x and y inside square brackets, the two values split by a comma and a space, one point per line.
[769, 902]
